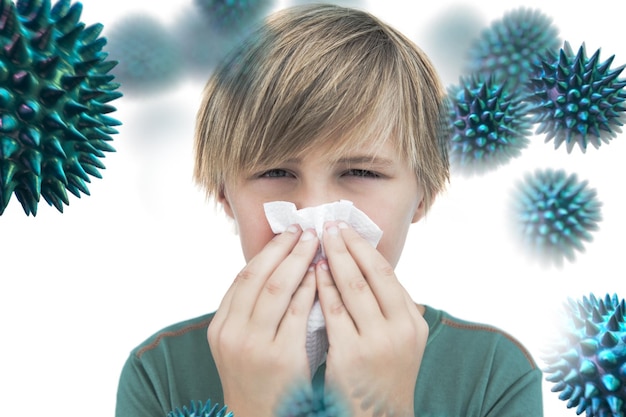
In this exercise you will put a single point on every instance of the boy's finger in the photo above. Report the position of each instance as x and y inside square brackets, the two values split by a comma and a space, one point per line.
[252, 278]
[350, 281]
[338, 320]
[222, 311]
[293, 324]
[275, 296]
[379, 274]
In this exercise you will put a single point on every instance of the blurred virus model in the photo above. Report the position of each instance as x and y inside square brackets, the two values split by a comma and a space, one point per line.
[197, 409]
[510, 48]
[554, 214]
[447, 37]
[588, 363]
[233, 15]
[150, 59]
[301, 402]
[344, 3]
[489, 125]
[576, 99]
[201, 43]
[54, 90]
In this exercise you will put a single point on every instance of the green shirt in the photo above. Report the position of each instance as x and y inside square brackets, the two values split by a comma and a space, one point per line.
[468, 370]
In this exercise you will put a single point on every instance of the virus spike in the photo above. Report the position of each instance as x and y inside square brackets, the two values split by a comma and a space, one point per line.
[76, 185]
[613, 324]
[33, 184]
[71, 38]
[92, 50]
[68, 18]
[54, 148]
[54, 167]
[17, 51]
[198, 409]
[69, 82]
[32, 159]
[27, 200]
[43, 39]
[51, 95]
[91, 33]
[8, 18]
[55, 195]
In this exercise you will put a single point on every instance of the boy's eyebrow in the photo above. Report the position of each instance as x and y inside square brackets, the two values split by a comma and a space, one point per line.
[365, 159]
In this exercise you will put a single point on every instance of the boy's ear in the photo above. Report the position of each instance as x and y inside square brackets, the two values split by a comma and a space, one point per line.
[223, 200]
[419, 212]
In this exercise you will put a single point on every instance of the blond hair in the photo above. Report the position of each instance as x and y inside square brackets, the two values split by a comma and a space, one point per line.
[315, 74]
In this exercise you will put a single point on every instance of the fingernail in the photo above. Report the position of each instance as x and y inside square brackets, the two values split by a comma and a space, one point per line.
[342, 225]
[307, 235]
[292, 229]
[324, 265]
[332, 230]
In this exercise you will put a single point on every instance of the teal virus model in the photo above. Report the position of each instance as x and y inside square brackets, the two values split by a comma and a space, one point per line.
[55, 90]
[510, 47]
[578, 99]
[197, 409]
[554, 214]
[587, 364]
[234, 15]
[303, 402]
[489, 125]
[150, 59]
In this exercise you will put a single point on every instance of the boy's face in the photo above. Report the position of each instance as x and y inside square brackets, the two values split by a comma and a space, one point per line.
[375, 178]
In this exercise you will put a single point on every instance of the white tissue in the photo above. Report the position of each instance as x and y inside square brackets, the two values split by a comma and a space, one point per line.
[282, 214]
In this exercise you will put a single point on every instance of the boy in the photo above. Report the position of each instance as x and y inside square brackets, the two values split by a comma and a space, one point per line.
[326, 103]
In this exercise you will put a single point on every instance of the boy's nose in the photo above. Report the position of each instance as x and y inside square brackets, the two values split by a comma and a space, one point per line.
[312, 196]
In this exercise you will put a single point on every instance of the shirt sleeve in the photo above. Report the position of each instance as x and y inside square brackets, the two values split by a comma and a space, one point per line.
[521, 399]
[136, 395]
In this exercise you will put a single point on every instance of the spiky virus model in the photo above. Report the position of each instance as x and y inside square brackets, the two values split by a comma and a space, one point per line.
[201, 43]
[233, 15]
[150, 59]
[588, 363]
[488, 125]
[301, 402]
[55, 88]
[510, 47]
[197, 409]
[554, 214]
[578, 100]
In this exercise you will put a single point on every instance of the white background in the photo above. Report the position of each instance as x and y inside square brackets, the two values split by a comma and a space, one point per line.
[79, 290]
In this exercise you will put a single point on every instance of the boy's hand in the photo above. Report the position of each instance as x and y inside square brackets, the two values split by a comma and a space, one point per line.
[377, 335]
[258, 334]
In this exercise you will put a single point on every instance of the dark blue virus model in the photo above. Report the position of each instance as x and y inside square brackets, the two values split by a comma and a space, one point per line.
[233, 15]
[488, 125]
[55, 90]
[554, 214]
[510, 47]
[197, 409]
[587, 364]
[150, 59]
[578, 99]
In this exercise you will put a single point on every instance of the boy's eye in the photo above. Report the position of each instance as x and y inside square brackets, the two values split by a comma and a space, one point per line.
[362, 173]
[275, 173]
